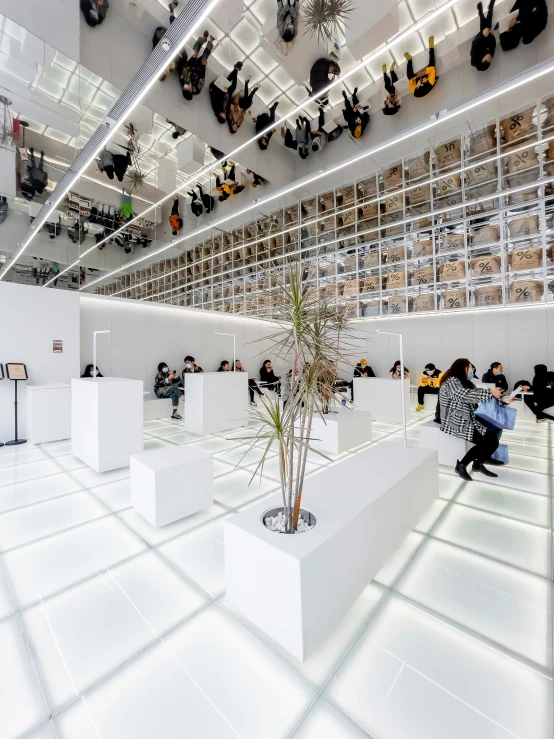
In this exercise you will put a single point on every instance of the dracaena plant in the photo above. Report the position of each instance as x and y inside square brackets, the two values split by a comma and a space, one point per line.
[311, 343]
[325, 18]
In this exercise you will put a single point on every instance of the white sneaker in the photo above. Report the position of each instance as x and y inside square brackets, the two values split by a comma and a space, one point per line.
[253, 402]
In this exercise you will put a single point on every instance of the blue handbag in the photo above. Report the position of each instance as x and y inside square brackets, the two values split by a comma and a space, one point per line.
[501, 454]
[497, 414]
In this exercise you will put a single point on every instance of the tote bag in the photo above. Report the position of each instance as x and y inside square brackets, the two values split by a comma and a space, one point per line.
[497, 414]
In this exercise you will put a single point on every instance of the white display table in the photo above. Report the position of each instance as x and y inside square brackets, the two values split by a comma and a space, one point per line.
[215, 401]
[340, 431]
[169, 484]
[106, 421]
[382, 397]
[297, 588]
[48, 416]
[450, 448]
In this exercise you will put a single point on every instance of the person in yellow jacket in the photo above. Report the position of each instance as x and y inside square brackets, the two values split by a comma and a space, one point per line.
[429, 384]
[422, 82]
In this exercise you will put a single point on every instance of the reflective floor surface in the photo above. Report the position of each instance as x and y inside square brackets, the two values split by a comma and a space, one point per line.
[111, 629]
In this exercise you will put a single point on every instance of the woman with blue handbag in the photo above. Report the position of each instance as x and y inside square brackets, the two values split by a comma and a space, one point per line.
[458, 399]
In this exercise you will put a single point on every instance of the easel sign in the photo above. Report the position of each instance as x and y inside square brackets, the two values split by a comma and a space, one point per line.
[16, 371]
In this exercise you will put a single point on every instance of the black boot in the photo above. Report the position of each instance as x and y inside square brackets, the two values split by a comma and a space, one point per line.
[461, 470]
[478, 467]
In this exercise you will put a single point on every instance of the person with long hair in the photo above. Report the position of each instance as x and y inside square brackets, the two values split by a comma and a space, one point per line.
[458, 399]
[252, 384]
[543, 393]
[224, 366]
[91, 372]
[394, 372]
[269, 378]
[166, 386]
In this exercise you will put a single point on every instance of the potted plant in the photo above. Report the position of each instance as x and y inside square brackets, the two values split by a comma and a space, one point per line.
[326, 18]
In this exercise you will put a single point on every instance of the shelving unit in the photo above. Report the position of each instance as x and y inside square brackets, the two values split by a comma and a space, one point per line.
[466, 224]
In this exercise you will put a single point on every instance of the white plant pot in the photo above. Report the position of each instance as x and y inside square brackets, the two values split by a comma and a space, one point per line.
[297, 588]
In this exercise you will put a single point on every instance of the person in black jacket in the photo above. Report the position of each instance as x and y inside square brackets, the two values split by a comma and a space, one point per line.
[252, 384]
[89, 372]
[543, 393]
[224, 366]
[221, 99]
[322, 73]
[208, 201]
[196, 204]
[95, 11]
[160, 32]
[269, 378]
[495, 375]
[530, 22]
[356, 118]
[483, 45]
[262, 122]
[392, 102]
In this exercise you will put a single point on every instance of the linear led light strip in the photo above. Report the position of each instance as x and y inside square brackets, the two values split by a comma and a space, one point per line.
[429, 18]
[193, 15]
[304, 224]
[539, 71]
[467, 203]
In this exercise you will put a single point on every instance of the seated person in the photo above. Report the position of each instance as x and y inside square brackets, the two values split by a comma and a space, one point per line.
[287, 19]
[166, 386]
[394, 372]
[530, 22]
[190, 366]
[192, 71]
[543, 393]
[362, 369]
[429, 384]
[90, 373]
[252, 384]
[483, 45]
[221, 99]
[355, 116]
[323, 72]
[224, 366]
[495, 376]
[422, 82]
[269, 378]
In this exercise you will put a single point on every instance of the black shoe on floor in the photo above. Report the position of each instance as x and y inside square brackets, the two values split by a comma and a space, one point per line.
[494, 462]
[176, 417]
[461, 470]
[483, 470]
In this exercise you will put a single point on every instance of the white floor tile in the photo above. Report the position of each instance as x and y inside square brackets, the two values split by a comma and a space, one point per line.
[158, 536]
[6, 602]
[240, 487]
[89, 478]
[199, 555]
[507, 606]
[448, 486]
[21, 704]
[151, 444]
[46, 731]
[57, 448]
[68, 462]
[412, 676]
[393, 566]
[215, 444]
[115, 495]
[10, 458]
[515, 543]
[221, 468]
[40, 569]
[25, 493]
[162, 431]
[212, 679]
[30, 471]
[244, 456]
[27, 524]
[83, 634]
[182, 437]
[427, 521]
[506, 501]
[325, 722]
[155, 424]
[271, 468]
[520, 480]
[533, 464]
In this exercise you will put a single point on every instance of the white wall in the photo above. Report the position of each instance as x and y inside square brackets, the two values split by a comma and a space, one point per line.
[517, 337]
[145, 334]
[31, 318]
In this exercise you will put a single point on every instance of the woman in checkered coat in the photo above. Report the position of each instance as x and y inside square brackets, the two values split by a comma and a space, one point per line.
[458, 398]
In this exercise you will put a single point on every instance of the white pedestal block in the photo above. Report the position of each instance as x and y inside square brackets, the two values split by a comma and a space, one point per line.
[450, 448]
[48, 413]
[166, 176]
[215, 401]
[190, 155]
[155, 408]
[297, 588]
[106, 421]
[169, 484]
[430, 401]
[340, 431]
[382, 397]
[365, 31]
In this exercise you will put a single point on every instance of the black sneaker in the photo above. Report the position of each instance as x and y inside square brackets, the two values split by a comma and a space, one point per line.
[461, 470]
[483, 470]
[176, 416]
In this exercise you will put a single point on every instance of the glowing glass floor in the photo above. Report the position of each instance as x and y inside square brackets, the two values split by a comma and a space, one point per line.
[110, 629]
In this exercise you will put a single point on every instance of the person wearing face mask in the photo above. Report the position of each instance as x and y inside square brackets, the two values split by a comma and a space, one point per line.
[263, 121]
[362, 369]
[429, 384]
[287, 19]
[459, 398]
[166, 386]
[422, 82]
[90, 372]
[322, 73]
[355, 116]
[269, 378]
[483, 45]
[190, 366]
[252, 384]
[394, 372]
[495, 376]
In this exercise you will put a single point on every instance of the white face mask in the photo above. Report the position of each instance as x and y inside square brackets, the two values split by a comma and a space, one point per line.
[165, 370]
[428, 372]
[188, 365]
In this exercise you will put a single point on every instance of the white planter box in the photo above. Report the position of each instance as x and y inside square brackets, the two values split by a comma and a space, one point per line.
[297, 588]
[169, 484]
[340, 431]
[106, 421]
[215, 401]
[450, 448]
[48, 413]
[382, 397]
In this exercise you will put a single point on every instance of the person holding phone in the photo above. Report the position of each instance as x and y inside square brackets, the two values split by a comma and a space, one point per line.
[166, 386]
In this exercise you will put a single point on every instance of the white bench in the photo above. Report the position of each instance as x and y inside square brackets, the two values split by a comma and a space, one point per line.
[430, 401]
[159, 408]
[341, 430]
[450, 448]
[169, 484]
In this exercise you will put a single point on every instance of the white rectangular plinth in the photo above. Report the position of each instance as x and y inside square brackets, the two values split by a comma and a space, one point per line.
[297, 588]
[106, 421]
[365, 30]
[169, 484]
[450, 448]
[48, 413]
[215, 401]
[382, 397]
[430, 401]
[340, 431]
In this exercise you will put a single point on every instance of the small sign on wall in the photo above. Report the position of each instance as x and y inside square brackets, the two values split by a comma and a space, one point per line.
[57, 346]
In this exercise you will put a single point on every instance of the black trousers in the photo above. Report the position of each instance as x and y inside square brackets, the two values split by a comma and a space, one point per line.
[389, 82]
[485, 447]
[423, 391]
[253, 387]
[246, 100]
[536, 408]
[410, 67]
[485, 21]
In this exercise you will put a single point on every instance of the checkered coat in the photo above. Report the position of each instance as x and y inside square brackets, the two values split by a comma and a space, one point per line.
[457, 408]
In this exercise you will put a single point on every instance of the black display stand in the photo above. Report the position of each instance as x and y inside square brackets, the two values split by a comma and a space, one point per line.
[1, 378]
[16, 441]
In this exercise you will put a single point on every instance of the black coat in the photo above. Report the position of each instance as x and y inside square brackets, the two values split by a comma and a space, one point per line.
[499, 380]
[480, 47]
[268, 377]
[319, 75]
